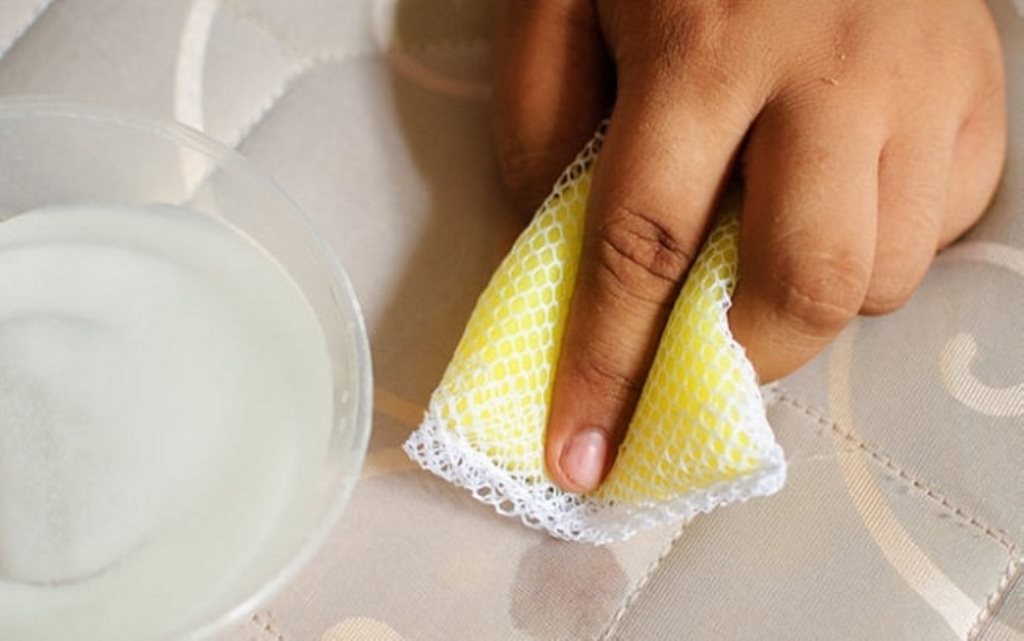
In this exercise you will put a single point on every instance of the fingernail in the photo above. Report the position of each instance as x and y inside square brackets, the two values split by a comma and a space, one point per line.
[583, 459]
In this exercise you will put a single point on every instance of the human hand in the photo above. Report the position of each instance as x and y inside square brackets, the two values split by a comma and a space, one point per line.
[870, 133]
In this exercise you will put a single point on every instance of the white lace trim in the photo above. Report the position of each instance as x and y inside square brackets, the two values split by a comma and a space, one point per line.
[573, 517]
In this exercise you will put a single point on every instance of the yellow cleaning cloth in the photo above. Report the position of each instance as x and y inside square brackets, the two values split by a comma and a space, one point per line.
[698, 439]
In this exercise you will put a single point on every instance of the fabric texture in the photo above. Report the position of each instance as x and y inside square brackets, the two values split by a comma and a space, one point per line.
[698, 439]
[903, 513]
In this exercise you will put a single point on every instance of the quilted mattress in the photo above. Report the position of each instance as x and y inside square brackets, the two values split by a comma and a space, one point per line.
[903, 516]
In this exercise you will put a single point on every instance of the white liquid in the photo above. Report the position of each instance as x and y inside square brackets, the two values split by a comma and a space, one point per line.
[165, 405]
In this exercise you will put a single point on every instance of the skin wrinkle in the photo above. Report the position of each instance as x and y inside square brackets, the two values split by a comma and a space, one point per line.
[811, 92]
[645, 243]
[622, 288]
[918, 206]
[822, 303]
[608, 381]
[522, 165]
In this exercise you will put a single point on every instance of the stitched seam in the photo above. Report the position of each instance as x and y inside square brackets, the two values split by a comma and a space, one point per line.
[230, 8]
[308, 63]
[775, 394]
[634, 593]
[266, 625]
[301, 69]
[306, 66]
[18, 35]
[1007, 582]
[779, 395]
[437, 46]
[1011, 575]
[424, 46]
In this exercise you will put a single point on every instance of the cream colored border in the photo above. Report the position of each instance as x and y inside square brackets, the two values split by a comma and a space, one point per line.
[893, 541]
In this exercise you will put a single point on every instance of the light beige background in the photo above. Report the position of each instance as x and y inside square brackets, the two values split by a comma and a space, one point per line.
[904, 514]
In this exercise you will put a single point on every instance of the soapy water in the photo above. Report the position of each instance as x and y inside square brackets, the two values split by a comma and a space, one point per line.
[165, 404]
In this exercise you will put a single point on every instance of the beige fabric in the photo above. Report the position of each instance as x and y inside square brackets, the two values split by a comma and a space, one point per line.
[1008, 622]
[905, 505]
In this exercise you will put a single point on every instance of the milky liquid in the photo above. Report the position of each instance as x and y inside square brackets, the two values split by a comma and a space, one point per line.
[165, 408]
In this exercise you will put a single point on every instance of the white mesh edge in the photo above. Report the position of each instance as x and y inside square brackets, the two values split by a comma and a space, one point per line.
[545, 506]
[574, 517]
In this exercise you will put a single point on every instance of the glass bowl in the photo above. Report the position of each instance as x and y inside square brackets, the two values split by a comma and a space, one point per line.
[55, 153]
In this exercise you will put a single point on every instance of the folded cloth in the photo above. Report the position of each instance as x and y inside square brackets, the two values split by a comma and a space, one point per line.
[698, 439]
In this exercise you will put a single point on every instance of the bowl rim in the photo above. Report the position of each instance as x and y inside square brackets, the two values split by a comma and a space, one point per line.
[35, 106]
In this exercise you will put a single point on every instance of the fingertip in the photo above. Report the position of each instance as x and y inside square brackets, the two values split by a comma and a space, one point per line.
[582, 460]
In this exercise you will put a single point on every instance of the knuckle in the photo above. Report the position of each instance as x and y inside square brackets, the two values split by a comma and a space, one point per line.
[698, 26]
[600, 376]
[886, 295]
[667, 34]
[518, 167]
[525, 172]
[642, 257]
[822, 293]
[691, 47]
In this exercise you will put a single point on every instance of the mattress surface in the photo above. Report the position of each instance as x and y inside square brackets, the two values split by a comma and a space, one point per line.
[903, 515]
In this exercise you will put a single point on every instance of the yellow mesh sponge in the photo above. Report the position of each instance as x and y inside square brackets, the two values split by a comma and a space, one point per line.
[698, 439]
